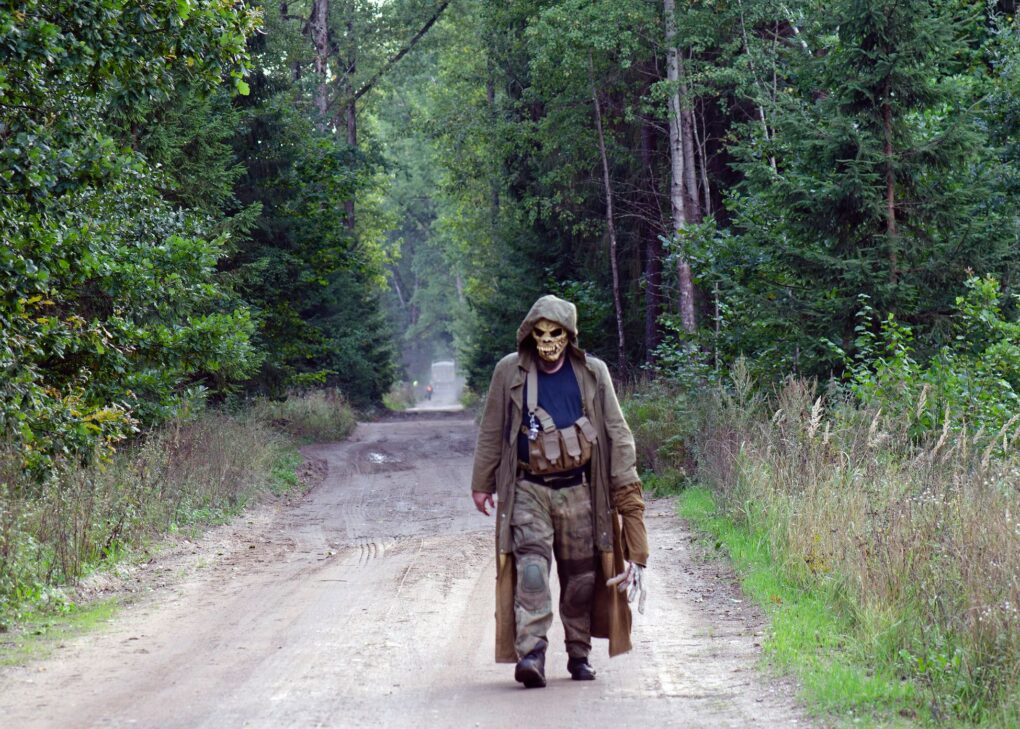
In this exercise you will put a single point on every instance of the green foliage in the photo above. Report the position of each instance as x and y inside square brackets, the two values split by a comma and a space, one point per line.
[313, 285]
[807, 118]
[973, 381]
[660, 415]
[112, 312]
[875, 180]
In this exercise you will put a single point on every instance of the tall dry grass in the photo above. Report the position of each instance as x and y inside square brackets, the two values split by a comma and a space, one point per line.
[188, 471]
[919, 541]
[319, 415]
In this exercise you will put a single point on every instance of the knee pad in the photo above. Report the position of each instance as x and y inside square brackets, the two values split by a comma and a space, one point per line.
[533, 575]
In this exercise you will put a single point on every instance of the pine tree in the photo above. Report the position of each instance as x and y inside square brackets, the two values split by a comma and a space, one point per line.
[879, 184]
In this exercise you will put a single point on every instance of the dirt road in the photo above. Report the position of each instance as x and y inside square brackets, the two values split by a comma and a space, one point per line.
[369, 603]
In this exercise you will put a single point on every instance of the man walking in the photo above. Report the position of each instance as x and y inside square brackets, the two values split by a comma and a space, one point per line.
[554, 448]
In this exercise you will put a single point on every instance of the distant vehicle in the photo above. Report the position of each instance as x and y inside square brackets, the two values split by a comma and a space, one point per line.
[444, 372]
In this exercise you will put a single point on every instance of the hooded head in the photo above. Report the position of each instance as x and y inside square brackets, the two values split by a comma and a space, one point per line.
[551, 309]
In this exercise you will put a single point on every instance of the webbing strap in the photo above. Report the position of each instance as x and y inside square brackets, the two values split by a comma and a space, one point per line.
[544, 418]
[587, 428]
[532, 388]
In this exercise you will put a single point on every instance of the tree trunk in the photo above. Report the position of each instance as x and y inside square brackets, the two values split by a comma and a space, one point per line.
[351, 105]
[700, 148]
[610, 226]
[677, 174]
[653, 247]
[318, 29]
[687, 138]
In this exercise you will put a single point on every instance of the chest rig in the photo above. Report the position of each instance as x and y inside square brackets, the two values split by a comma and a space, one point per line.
[551, 449]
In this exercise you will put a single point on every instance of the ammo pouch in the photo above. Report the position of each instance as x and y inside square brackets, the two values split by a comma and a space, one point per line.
[552, 449]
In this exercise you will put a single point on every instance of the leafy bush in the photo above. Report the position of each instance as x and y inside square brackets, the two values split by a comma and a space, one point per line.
[400, 396]
[659, 416]
[973, 382]
[112, 307]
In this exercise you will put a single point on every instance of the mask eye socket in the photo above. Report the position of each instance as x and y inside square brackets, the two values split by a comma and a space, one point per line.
[557, 332]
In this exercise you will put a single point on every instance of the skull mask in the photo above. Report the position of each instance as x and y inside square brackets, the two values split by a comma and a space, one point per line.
[550, 339]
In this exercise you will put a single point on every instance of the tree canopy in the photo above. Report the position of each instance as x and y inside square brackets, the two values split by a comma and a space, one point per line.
[207, 200]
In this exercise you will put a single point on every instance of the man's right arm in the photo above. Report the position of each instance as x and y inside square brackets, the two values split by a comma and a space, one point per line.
[489, 446]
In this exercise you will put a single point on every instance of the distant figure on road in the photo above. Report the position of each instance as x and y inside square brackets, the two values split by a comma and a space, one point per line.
[428, 391]
[555, 449]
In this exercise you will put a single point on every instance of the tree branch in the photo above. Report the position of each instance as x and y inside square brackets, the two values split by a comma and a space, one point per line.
[393, 60]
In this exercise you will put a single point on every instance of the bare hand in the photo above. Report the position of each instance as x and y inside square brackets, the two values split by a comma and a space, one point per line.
[632, 582]
[483, 501]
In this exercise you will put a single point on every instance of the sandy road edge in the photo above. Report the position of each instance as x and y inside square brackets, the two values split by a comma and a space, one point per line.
[707, 582]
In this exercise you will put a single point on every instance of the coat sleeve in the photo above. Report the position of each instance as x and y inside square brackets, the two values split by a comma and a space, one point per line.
[489, 446]
[624, 484]
[622, 455]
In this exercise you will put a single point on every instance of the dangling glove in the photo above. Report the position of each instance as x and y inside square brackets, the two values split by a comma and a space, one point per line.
[632, 582]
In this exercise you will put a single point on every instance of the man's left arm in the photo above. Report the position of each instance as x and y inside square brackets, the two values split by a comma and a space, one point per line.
[624, 484]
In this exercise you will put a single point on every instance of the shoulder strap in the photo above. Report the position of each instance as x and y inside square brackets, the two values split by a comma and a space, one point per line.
[532, 388]
[544, 418]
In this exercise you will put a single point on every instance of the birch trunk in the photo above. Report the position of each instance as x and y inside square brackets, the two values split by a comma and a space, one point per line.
[687, 139]
[610, 226]
[677, 172]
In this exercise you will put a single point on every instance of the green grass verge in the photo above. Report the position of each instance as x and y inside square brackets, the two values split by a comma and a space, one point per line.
[40, 632]
[283, 474]
[808, 636]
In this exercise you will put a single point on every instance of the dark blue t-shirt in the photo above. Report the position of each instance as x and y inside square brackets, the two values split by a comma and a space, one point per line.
[559, 395]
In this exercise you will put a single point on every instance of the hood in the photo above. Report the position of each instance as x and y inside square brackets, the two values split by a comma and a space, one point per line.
[554, 309]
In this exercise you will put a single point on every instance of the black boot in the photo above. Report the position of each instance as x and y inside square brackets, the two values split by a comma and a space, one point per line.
[580, 669]
[531, 669]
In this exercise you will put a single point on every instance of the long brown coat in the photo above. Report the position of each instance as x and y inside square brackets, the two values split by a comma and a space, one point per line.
[616, 490]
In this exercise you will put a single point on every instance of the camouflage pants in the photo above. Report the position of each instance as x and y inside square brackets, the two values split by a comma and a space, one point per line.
[547, 522]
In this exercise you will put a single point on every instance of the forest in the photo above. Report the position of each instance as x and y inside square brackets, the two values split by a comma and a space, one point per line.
[792, 229]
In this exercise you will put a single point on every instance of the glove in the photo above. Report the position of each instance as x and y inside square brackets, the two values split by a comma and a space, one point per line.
[632, 582]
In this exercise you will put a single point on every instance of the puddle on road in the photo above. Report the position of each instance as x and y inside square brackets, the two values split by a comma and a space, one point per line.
[380, 458]
[377, 461]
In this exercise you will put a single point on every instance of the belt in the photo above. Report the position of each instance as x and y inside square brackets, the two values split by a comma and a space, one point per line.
[563, 480]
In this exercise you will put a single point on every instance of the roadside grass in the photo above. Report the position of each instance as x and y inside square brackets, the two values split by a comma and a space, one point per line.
[889, 562]
[40, 632]
[808, 635]
[400, 396]
[181, 478]
[283, 473]
[312, 417]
